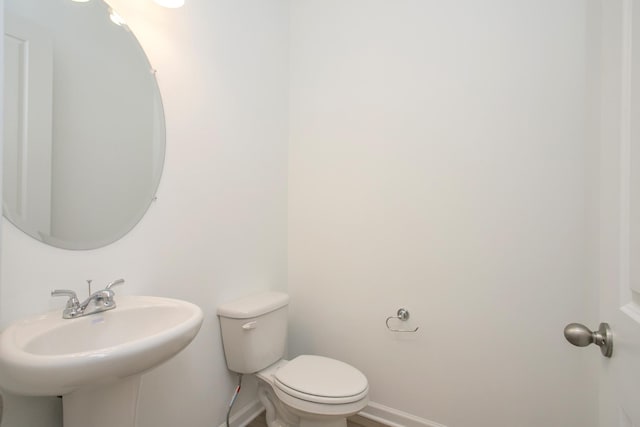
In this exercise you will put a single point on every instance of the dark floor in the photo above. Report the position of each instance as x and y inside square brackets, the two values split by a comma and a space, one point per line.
[355, 421]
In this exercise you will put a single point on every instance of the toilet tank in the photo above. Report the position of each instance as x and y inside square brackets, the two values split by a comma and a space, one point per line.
[254, 331]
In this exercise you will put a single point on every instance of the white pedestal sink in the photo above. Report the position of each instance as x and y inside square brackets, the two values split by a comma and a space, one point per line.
[95, 362]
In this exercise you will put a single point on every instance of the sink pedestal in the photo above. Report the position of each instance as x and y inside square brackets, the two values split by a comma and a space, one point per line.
[104, 405]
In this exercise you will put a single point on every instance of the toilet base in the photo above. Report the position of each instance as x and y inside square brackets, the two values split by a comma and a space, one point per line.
[276, 414]
[280, 415]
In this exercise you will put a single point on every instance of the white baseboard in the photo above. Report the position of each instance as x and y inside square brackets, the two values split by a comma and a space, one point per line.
[373, 411]
[393, 417]
[245, 415]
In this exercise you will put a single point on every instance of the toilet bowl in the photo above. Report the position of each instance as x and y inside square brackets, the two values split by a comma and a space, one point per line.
[307, 391]
[312, 391]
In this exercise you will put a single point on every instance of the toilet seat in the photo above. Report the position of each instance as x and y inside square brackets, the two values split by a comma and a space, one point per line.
[321, 380]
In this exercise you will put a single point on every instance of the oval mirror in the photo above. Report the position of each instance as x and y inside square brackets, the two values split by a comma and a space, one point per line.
[84, 135]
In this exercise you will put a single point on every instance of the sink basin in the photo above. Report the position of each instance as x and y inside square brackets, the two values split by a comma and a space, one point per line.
[49, 356]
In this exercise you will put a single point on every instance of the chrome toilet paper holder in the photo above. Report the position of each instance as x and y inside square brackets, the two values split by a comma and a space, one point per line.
[402, 314]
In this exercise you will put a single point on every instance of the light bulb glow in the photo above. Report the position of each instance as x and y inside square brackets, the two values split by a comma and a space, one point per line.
[170, 3]
[116, 19]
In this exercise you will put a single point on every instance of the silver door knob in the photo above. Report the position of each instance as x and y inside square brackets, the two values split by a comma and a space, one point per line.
[581, 336]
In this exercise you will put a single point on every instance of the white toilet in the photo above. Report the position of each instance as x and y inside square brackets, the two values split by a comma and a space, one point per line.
[308, 391]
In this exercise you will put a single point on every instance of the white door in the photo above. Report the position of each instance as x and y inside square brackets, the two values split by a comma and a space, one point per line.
[619, 220]
[28, 77]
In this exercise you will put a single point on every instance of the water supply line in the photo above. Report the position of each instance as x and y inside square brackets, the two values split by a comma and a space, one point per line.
[234, 397]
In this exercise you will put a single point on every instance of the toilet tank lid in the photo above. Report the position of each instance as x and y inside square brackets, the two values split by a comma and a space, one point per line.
[253, 305]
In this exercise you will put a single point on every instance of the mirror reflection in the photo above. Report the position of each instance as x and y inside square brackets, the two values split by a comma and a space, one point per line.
[84, 135]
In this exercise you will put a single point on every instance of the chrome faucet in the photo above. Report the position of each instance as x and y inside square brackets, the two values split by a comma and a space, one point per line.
[97, 302]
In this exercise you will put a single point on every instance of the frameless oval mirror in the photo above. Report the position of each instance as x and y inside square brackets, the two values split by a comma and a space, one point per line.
[84, 135]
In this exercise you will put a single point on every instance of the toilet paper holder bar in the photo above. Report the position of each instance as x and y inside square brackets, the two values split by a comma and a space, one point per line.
[402, 314]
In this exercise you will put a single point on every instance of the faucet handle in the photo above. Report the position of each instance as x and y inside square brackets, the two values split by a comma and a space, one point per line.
[73, 298]
[115, 283]
[73, 305]
[64, 293]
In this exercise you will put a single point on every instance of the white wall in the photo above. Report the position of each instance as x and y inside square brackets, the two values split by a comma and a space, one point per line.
[218, 229]
[441, 160]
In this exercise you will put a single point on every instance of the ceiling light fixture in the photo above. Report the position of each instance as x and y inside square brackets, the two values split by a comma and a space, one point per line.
[173, 4]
